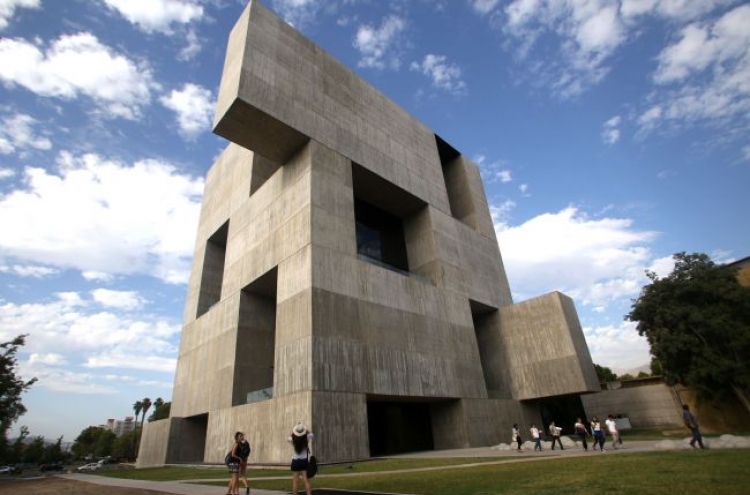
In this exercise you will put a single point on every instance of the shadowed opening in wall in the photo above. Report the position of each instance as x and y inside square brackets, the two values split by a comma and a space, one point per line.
[398, 427]
[212, 275]
[256, 340]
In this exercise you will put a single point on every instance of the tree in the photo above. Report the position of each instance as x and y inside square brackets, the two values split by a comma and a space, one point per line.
[34, 453]
[656, 367]
[137, 407]
[697, 322]
[145, 406]
[604, 374]
[161, 410]
[53, 452]
[124, 445]
[94, 441]
[11, 386]
[19, 445]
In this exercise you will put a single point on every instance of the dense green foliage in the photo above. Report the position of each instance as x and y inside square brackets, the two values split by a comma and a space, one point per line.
[697, 322]
[161, 410]
[11, 388]
[94, 441]
[604, 374]
[124, 446]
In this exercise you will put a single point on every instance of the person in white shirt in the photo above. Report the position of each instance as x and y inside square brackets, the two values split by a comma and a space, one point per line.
[596, 431]
[536, 437]
[612, 428]
[554, 431]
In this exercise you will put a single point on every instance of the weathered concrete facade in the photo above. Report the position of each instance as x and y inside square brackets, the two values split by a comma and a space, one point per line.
[347, 273]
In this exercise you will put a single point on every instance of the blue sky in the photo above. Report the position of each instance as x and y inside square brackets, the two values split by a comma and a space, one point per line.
[610, 135]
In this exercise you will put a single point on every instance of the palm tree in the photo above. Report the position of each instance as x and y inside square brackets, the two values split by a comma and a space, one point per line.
[137, 408]
[157, 404]
[145, 405]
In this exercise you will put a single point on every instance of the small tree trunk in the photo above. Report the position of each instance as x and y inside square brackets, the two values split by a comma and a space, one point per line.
[741, 396]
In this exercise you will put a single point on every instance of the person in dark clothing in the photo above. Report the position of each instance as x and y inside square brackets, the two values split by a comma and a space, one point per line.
[243, 452]
[692, 425]
[582, 432]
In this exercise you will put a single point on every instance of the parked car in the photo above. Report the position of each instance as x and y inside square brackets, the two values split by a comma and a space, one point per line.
[92, 466]
[10, 470]
[55, 466]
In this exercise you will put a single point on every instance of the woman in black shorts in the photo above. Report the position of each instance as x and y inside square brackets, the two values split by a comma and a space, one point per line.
[300, 439]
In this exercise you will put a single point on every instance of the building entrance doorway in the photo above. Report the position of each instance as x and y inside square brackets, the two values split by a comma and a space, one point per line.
[398, 427]
[563, 411]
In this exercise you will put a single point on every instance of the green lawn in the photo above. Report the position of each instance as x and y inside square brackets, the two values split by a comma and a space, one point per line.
[708, 472]
[711, 472]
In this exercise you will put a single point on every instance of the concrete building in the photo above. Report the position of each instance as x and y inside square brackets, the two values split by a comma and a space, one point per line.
[347, 273]
[743, 270]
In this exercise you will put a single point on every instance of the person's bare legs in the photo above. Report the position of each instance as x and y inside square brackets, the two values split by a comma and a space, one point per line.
[307, 483]
[243, 477]
[234, 484]
[295, 482]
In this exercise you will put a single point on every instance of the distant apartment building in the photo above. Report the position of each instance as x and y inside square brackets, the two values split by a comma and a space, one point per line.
[119, 427]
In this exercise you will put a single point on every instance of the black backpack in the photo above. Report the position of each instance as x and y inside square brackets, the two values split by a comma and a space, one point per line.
[244, 450]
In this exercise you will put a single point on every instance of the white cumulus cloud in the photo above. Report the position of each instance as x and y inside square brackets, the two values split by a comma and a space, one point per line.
[78, 65]
[99, 215]
[124, 300]
[596, 261]
[8, 8]
[379, 46]
[194, 106]
[157, 15]
[611, 130]
[17, 133]
[443, 74]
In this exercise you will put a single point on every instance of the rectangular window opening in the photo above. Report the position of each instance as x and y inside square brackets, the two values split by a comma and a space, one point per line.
[456, 183]
[256, 340]
[380, 236]
[212, 275]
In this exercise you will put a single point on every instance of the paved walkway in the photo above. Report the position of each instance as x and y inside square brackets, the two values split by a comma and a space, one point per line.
[503, 456]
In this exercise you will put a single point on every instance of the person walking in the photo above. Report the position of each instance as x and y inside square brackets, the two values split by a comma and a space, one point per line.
[596, 432]
[536, 437]
[516, 437]
[301, 439]
[233, 463]
[554, 432]
[582, 432]
[243, 452]
[612, 428]
[692, 424]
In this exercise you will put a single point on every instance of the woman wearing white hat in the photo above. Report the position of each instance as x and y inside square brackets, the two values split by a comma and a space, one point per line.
[300, 439]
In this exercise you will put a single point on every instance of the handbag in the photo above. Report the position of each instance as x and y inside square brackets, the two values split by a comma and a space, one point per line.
[312, 466]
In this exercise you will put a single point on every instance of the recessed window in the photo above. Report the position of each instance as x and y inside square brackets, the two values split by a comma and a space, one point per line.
[380, 235]
[456, 183]
[212, 276]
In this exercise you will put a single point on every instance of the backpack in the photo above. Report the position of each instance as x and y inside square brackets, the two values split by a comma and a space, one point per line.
[244, 450]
